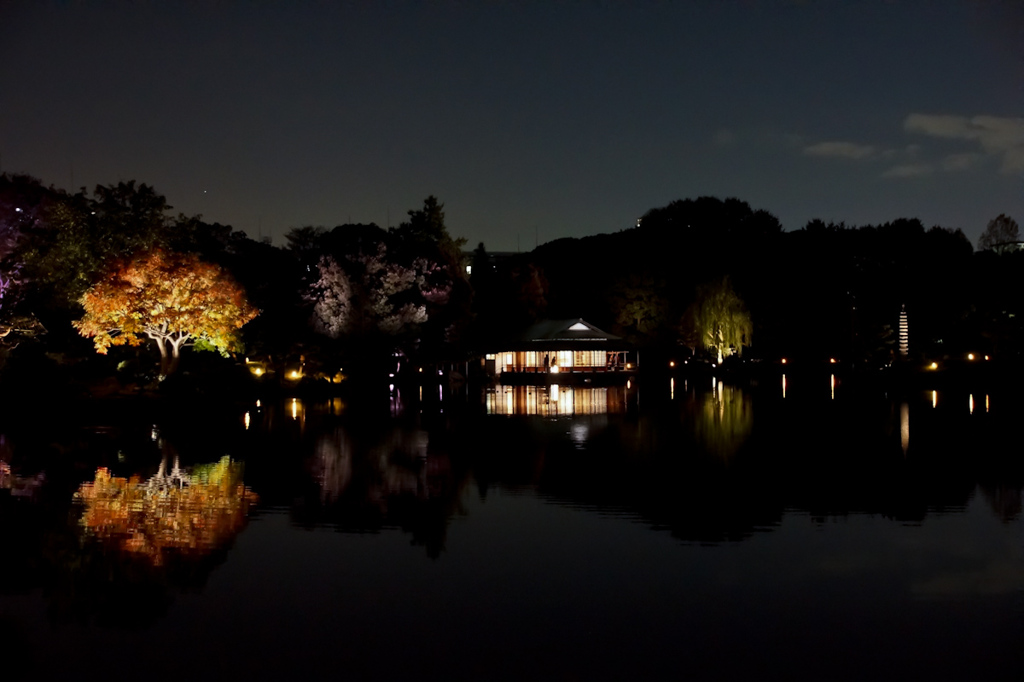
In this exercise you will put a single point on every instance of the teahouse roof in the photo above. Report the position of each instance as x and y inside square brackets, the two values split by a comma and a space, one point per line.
[573, 334]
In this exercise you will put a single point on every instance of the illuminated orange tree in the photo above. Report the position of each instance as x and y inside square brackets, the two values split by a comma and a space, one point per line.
[174, 299]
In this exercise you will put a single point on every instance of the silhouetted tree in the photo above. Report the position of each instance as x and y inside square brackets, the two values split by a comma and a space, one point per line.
[1000, 230]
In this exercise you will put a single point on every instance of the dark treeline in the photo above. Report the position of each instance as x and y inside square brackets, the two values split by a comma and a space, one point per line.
[373, 300]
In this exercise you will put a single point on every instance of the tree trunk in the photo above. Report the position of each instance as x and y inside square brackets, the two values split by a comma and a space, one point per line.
[165, 358]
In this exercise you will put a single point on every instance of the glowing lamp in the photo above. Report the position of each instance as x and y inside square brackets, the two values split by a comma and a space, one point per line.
[783, 360]
[934, 365]
[970, 356]
[294, 374]
[986, 357]
[672, 363]
[554, 369]
[832, 361]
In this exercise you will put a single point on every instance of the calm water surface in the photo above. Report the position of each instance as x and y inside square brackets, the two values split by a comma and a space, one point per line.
[797, 530]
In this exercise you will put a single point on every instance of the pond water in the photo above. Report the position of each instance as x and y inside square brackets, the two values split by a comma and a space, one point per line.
[796, 529]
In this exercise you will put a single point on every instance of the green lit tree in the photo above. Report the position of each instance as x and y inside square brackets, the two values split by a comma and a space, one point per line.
[718, 320]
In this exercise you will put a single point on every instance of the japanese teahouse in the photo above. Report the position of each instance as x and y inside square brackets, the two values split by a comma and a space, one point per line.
[558, 347]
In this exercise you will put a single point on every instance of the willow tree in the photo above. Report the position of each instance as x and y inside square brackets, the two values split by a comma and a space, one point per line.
[718, 319]
[176, 300]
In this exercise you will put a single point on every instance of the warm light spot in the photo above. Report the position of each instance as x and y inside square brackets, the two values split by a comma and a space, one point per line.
[420, 370]
[295, 408]
[294, 374]
[554, 369]
[672, 389]
[257, 403]
[970, 403]
[783, 360]
[246, 419]
[934, 365]
[629, 383]
[672, 363]
[832, 383]
[629, 365]
[986, 402]
[986, 357]
[832, 361]
[970, 356]
[258, 371]
[783, 386]
[935, 399]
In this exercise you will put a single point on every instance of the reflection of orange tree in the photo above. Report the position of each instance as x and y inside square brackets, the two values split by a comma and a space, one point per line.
[177, 512]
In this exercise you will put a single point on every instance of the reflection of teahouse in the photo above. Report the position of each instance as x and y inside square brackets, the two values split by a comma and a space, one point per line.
[562, 347]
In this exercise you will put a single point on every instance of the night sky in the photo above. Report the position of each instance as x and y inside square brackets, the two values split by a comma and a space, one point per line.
[529, 120]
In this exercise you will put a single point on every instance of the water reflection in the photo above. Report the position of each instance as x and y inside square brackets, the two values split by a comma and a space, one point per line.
[191, 512]
[555, 400]
[723, 420]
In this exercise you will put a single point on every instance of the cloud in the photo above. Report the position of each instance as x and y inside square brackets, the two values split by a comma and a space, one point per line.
[840, 150]
[1000, 137]
[910, 170]
[961, 162]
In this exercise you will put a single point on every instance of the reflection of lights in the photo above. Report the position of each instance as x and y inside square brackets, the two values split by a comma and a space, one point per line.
[935, 399]
[714, 382]
[933, 365]
[295, 408]
[554, 393]
[391, 388]
[905, 426]
[970, 356]
[421, 394]
[672, 389]
[970, 404]
[246, 420]
[579, 433]
[986, 402]
[832, 385]
[257, 403]
[154, 433]
[783, 386]
[629, 383]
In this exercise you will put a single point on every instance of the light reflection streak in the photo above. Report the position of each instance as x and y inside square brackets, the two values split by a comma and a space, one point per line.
[832, 386]
[935, 399]
[970, 404]
[246, 419]
[905, 427]
[986, 402]
[672, 389]
[783, 386]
